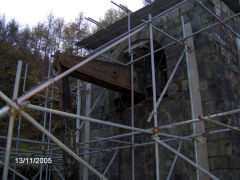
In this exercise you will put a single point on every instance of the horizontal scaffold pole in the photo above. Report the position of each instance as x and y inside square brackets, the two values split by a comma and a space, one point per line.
[3, 111]
[186, 159]
[138, 130]
[53, 138]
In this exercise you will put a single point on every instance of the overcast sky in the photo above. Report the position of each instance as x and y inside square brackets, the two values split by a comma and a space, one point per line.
[33, 11]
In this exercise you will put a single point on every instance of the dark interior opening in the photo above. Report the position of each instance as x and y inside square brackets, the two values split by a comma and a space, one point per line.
[139, 49]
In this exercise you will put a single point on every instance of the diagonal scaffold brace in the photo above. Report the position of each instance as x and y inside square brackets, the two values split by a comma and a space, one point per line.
[52, 137]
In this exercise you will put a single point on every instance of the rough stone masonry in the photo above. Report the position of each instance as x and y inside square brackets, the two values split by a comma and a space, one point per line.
[219, 76]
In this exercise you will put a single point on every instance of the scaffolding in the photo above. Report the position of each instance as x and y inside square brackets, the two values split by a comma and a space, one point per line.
[17, 105]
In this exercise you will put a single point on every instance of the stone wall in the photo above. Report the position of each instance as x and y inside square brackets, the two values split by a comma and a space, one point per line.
[218, 67]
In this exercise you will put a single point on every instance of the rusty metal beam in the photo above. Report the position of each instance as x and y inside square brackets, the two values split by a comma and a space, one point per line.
[105, 74]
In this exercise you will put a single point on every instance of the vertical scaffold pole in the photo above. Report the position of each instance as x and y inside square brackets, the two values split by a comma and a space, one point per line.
[77, 138]
[200, 146]
[50, 114]
[49, 129]
[132, 94]
[45, 116]
[25, 78]
[87, 129]
[20, 119]
[11, 122]
[78, 113]
[154, 98]
[52, 137]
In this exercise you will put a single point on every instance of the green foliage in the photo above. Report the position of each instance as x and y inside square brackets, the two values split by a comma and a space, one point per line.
[25, 146]
[111, 16]
[12, 30]
[34, 46]
[74, 32]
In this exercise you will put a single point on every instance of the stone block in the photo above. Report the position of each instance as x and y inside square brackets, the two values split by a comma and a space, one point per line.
[219, 148]
[173, 88]
[184, 85]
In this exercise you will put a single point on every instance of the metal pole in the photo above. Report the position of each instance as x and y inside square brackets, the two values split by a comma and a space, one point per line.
[191, 94]
[129, 134]
[91, 110]
[110, 163]
[148, 54]
[201, 153]
[182, 39]
[11, 122]
[188, 68]
[59, 174]
[61, 113]
[78, 112]
[168, 35]
[4, 110]
[174, 162]
[109, 138]
[27, 151]
[50, 114]
[95, 149]
[49, 173]
[119, 141]
[220, 124]
[128, 146]
[167, 85]
[53, 138]
[170, 9]
[132, 95]
[173, 43]
[143, 24]
[167, 140]
[19, 118]
[217, 17]
[169, 126]
[15, 172]
[45, 116]
[49, 129]
[186, 159]
[25, 78]
[124, 147]
[36, 175]
[212, 25]
[154, 98]
[28, 141]
[53, 149]
[87, 130]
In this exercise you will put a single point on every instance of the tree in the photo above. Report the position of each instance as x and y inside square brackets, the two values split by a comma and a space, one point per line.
[59, 25]
[37, 39]
[25, 40]
[3, 33]
[12, 30]
[42, 36]
[74, 32]
[48, 35]
[111, 16]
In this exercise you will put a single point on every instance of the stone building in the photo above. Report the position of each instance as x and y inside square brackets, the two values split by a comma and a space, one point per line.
[217, 56]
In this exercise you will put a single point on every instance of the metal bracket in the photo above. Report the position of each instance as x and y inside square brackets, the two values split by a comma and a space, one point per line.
[155, 130]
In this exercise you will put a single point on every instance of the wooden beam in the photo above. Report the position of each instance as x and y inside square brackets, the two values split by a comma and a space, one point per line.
[105, 74]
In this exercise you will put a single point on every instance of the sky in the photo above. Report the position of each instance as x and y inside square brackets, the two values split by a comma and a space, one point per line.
[33, 11]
